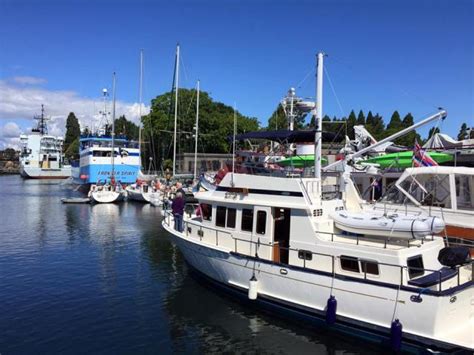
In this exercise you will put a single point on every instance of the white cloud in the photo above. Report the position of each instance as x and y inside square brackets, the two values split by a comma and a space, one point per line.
[23, 102]
[9, 135]
[28, 80]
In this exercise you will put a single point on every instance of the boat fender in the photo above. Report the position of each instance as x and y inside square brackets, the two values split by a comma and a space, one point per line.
[396, 335]
[253, 288]
[331, 310]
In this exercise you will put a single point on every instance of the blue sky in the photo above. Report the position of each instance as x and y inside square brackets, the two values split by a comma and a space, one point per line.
[413, 56]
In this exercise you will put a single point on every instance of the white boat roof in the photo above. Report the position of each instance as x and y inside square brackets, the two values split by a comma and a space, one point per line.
[257, 190]
[462, 170]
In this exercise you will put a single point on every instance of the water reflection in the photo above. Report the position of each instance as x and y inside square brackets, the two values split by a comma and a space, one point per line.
[106, 278]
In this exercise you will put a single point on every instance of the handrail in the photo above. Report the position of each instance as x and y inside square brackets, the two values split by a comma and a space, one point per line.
[403, 268]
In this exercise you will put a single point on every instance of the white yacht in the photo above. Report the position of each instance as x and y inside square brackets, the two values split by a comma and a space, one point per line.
[41, 154]
[282, 244]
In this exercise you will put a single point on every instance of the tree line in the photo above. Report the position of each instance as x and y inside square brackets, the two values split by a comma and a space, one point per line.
[216, 121]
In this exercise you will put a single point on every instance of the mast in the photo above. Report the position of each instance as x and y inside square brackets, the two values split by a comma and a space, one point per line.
[319, 117]
[233, 146]
[140, 100]
[113, 125]
[197, 130]
[175, 108]
[42, 127]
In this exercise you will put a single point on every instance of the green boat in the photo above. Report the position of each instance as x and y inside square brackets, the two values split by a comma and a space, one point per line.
[405, 159]
[301, 161]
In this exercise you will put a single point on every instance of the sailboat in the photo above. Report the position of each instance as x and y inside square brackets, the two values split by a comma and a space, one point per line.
[280, 244]
[112, 190]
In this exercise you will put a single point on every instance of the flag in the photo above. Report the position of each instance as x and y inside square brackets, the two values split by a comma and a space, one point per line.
[421, 158]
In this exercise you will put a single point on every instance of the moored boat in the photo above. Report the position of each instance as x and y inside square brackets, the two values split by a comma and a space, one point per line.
[274, 241]
[41, 155]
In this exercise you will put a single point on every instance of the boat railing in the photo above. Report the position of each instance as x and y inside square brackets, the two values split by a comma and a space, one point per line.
[400, 273]
[354, 238]
[403, 270]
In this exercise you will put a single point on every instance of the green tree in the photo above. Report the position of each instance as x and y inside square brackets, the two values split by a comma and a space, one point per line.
[124, 127]
[73, 131]
[216, 124]
[433, 131]
[360, 118]
[463, 132]
[351, 122]
[395, 124]
[72, 152]
[277, 120]
[408, 139]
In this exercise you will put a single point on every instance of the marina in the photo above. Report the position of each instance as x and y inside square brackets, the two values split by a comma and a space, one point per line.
[108, 279]
[285, 179]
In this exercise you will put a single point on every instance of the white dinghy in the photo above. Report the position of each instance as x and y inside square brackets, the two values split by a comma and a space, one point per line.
[388, 226]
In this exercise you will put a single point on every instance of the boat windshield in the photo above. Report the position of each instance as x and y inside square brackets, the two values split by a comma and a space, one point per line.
[427, 189]
[464, 191]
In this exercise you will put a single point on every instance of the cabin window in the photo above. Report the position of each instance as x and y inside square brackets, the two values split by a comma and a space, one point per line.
[231, 212]
[220, 216]
[206, 211]
[415, 266]
[465, 192]
[349, 263]
[247, 220]
[261, 222]
[369, 267]
[305, 254]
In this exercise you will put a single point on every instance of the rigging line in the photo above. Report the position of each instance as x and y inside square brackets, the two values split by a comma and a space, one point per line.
[184, 68]
[333, 90]
[305, 77]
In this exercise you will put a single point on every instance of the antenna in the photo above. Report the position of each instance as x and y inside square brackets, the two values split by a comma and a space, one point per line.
[42, 127]
[197, 131]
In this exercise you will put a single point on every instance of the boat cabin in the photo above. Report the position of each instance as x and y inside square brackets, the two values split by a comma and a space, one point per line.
[288, 222]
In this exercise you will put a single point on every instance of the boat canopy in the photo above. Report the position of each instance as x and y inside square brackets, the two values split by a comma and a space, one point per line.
[284, 135]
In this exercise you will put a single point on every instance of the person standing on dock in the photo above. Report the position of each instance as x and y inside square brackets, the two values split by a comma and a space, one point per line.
[178, 211]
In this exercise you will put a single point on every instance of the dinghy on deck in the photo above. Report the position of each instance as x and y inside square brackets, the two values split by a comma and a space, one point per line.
[388, 226]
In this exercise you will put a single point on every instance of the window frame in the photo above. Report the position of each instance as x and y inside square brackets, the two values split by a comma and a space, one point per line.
[364, 270]
[209, 219]
[242, 220]
[221, 218]
[234, 217]
[415, 273]
[258, 227]
[351, 259]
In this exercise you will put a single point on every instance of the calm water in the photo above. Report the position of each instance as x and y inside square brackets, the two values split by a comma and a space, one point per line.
[107, 279]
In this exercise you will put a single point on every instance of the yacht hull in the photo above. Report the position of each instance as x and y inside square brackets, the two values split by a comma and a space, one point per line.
[363, 307]
[38, 173]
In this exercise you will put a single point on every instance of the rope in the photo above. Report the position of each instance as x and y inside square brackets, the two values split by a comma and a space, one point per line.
[334, 91]
[305, 78]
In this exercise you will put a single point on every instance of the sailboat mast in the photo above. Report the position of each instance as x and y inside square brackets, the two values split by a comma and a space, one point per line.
[113, 125]
[140, 100]
[175, 108]
[319, 117]
[233, 145]
[197, 131]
